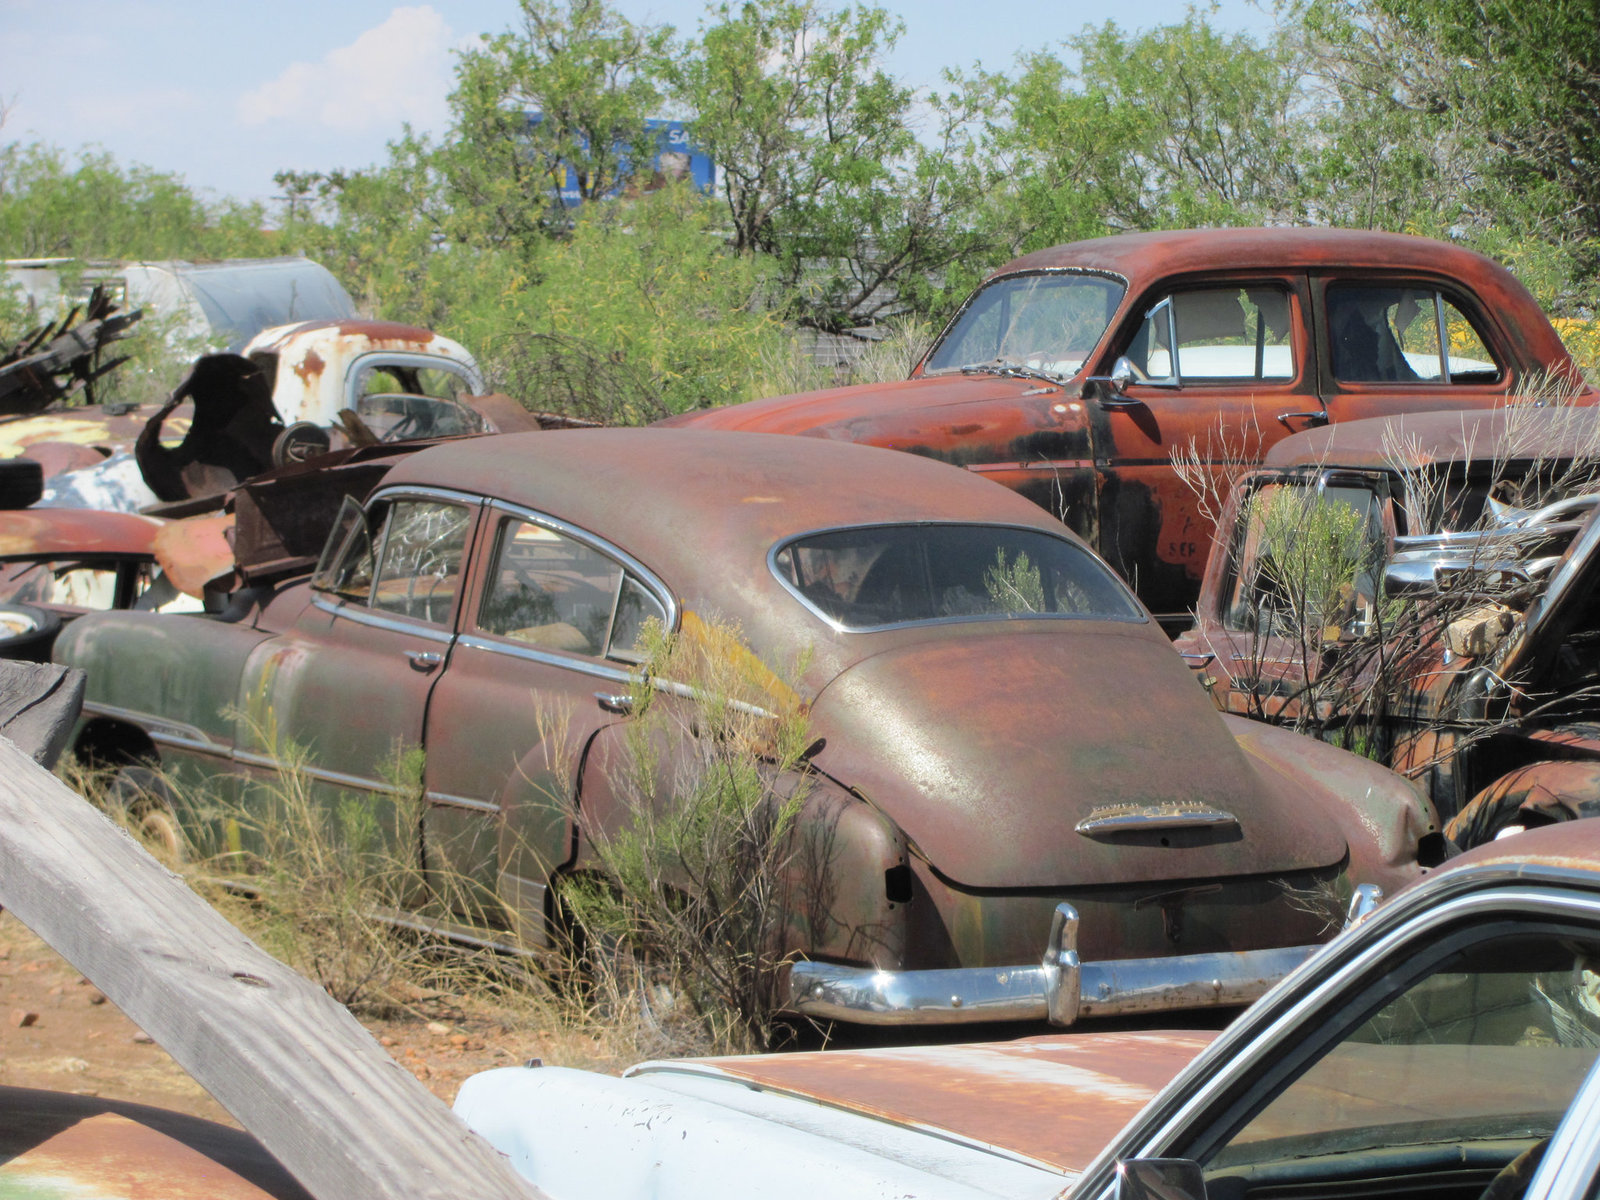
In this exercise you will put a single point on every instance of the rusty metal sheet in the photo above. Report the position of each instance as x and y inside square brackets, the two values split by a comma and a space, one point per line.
[30, 532]
[195, 551]
[1418, 440]
[1057, 1100]
[57, 1144]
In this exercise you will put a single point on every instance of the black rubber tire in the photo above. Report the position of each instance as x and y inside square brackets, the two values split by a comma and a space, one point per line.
[21, 482]
[146, 801]
[298, 442]
[27, 632]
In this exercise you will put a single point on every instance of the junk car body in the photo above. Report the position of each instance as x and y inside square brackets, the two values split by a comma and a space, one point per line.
[1074, 374]
[1444, 1046]
[291, 392]
[1484, 519]
[995, 777]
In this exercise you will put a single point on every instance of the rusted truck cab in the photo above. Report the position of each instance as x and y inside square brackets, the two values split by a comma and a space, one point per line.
[1459, 641]
[1074, 374]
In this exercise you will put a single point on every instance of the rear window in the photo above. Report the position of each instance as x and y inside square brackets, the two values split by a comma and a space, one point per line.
[884, 575]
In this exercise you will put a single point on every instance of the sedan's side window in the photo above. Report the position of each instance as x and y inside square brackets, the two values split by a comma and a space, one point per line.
[550, 590]
[1454, 1074]
[1397, 334]
[1236, 334]
[423, 545]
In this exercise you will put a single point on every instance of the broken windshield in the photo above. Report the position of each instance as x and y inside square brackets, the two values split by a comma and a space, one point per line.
[1047, 322]
[882, 575]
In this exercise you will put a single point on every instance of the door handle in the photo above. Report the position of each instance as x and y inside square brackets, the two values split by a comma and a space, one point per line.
[621, 703]
[424, 660]
[1312, 419]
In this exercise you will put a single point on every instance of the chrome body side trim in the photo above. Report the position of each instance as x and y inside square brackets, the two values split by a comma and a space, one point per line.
[160, 729]
[1124, 818]
[1061, 988]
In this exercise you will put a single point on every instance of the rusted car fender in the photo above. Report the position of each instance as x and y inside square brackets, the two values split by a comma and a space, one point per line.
[849, 868]
[1542, 793]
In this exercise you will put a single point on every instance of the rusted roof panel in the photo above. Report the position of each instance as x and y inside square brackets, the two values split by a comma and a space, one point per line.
[1056, 1100]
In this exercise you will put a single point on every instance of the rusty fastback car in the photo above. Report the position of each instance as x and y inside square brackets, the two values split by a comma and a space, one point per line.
[1074, 373]
[1004, 773]
[1445, 1047]
[1486, 520]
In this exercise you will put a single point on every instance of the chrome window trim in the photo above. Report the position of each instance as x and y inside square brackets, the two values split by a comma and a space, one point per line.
[377, 619]
[1140, 617]
[652, 582]
[600, 668]
[1569, 1166]
[1246, 1049]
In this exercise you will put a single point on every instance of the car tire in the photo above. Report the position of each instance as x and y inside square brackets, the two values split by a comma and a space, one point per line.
[27, 632]
[21, 482]
[146, 801]
[1545, 793]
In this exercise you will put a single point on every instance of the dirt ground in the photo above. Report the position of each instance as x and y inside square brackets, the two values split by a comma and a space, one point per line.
[57, 1031]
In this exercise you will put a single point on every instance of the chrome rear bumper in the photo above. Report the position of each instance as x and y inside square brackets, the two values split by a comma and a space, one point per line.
[1061, 989]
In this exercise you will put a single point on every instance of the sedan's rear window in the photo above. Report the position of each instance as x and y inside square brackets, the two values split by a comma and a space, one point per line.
[881, 575]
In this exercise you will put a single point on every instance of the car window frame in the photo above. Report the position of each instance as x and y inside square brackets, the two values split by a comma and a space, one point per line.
[1112, 322]
[1465, 302]
[1177, 380]
[348, 608]
[1141, 617]
[1289, 1028]
[497, 516]
[376, 360]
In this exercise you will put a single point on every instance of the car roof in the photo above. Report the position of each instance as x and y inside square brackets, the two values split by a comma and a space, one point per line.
[1176, 251]
[1413, 441]
[676, 493]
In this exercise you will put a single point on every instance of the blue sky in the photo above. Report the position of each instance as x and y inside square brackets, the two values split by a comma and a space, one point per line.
[225, 95]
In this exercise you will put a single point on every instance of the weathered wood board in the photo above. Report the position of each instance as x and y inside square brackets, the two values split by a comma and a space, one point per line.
[290, 1063]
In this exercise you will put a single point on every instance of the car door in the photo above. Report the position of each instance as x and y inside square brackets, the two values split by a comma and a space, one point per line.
[1220, 369]
[544, 661]
[1435, 1060]
[344, 692]
[1295, 575]
[1392, 345]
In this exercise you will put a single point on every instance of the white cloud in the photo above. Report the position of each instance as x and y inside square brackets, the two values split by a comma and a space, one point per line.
[397, 71]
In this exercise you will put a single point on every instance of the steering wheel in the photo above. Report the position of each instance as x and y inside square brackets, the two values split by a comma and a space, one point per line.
[1513, 1178]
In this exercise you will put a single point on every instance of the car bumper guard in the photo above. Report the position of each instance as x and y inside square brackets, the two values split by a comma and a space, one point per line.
[1061, 989]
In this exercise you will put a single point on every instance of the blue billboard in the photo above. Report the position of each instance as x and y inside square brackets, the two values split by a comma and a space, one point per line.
[674, 157]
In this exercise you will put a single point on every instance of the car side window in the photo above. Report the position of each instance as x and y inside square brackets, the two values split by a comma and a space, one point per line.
[420, 560]
[1400, 334]
[1306, 562]
[1455, 1066]
[420, 544]
[556, 592]
[1224, 334]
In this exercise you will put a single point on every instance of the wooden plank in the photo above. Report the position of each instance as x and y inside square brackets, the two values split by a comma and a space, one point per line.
[39, 704]
[290, 1063]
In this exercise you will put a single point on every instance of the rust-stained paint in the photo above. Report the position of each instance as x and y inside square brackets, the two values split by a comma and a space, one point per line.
[1005, 1094]
[309, 367]
[1105, 468]
[57, 1144]
[196, 551]
[40, 532]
